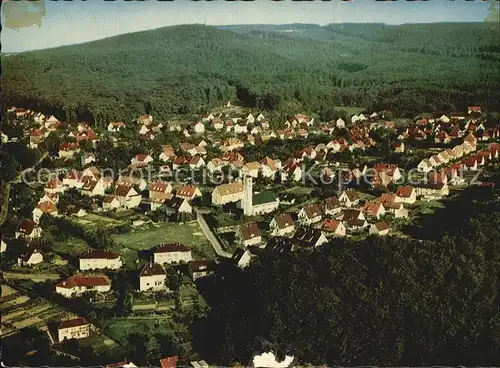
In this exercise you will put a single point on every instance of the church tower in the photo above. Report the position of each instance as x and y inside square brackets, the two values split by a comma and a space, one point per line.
[247, 204]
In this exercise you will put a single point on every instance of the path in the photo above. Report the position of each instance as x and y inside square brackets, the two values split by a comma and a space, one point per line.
[219, 250]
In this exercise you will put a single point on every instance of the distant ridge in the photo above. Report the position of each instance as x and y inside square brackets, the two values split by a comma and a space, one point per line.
[182, 69]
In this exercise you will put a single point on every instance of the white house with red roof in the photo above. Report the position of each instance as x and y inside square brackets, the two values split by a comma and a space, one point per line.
[188, 192]
[36, 137]
[110, 203]
[334, 227]
[380, 228]
[75, 328]
[54, 185]
[68, 150]
[48, 208]
[291, 170]
[96, 259]
[153, 277]
[128, 196]
[78, 284]
[473, 109]
[172, 253]
[28, 229]
[141, 160]
[406, 194]
[116, 126]
[93, 188]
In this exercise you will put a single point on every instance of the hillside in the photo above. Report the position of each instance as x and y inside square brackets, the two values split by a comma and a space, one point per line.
[180, 69]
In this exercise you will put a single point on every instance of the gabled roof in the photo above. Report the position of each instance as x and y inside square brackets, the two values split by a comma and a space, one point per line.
[84, 280]
[331, 225]
[201, 265]
[122, 190]
[172, 247]
[227, 189]
[169, 362]
[47, 207]
[283, 220]
[350, 214]
[352, 194]
[186, 191]
[331, 203]
[89, 185]
[312, 211]
[381, 226]
[159, 186]
[142, 156]
[280, 244]
[153, 269]
[174, 203]
[110, 199]
[28, 252]
[75, 322]
[307, 237]
[372, 208]
[387, 198]
[252, 166]
[404, 191]
[250, 231]
[26, 227]
[99, 254]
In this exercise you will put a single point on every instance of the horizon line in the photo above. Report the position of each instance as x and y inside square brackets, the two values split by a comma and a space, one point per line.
[233, 25]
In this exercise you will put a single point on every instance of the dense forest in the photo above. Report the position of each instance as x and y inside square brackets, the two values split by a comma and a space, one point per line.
[379, 301]
[190, 68]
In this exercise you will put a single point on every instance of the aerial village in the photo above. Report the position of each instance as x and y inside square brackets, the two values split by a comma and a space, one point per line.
[162, 221]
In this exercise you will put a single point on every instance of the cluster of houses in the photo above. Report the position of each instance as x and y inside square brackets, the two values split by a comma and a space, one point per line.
[152, 277]
[314, 224]
[349, 213]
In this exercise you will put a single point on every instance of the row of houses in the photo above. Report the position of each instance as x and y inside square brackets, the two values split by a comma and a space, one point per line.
[333, 216]
[153, 276]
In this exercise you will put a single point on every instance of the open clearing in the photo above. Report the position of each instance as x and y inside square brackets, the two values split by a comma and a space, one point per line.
[119, 329]
[350, 109]
[189, 234]
[72, 246]
[95, 220]
[426, 207]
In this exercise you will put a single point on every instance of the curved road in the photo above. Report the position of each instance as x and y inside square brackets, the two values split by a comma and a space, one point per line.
[211, 237]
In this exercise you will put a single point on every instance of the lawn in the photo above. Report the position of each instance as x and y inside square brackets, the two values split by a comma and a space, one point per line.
[119, 329]
[72, 246]
[426, 207]
[95, 220]
[189, 234]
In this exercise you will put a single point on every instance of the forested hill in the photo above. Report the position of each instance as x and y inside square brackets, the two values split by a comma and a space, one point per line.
[181, 69]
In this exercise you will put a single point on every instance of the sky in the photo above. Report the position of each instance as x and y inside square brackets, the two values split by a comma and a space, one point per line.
[70, 22]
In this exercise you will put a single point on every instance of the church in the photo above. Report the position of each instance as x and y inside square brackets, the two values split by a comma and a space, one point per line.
[254, 204]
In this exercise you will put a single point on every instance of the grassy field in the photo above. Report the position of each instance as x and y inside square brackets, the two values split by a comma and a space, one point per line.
[426, 207]
[72, 247]
[350, 109]
[119, 329]
[95, 220]
[189, 234]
